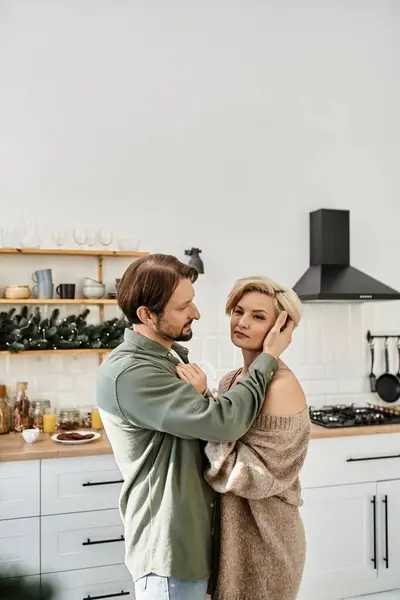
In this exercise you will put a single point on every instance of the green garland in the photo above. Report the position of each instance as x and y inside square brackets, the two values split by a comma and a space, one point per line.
[28, 331]
[14, 586]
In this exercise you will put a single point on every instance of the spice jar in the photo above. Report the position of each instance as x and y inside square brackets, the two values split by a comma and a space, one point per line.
[4, 411]
[38, 409]
[69, 419]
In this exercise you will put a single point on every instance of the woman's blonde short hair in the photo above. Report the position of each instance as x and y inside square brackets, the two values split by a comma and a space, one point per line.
[284, 298]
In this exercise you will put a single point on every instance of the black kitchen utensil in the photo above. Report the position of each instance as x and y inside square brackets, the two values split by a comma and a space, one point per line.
[398, 353]
[372, 377]
[387, 384]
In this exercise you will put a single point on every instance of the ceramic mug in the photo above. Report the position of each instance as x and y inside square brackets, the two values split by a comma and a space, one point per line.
[30, 435]
[44, 289]
[42, 275]
[66, 291]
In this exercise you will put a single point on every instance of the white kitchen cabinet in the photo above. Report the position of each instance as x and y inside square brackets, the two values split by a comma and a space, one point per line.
[74, 532]
[79, 484]
[91, 584]
[81, 540]
[339, 524]
[348, 483]
[19, 489]
[361, 459]
[388, 498]
[20, 546]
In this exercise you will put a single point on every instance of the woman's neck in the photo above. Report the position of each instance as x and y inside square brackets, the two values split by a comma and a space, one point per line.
[249, 356]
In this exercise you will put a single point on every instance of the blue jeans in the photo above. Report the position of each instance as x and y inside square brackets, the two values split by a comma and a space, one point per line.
[154, 587]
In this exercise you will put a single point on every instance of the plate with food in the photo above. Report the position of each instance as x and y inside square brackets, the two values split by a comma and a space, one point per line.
[75, 437]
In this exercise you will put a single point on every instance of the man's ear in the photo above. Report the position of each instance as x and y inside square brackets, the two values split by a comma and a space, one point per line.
[144, 315]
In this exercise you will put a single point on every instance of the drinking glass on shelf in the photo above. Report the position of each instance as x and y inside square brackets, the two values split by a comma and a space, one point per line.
[91, 238]
[59, 237]
[105, 237]
[80, 237]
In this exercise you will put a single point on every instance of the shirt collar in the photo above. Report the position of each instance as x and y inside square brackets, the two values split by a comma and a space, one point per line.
[137, 339]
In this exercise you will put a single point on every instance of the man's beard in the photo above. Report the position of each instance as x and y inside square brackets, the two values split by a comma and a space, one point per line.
[166, 332]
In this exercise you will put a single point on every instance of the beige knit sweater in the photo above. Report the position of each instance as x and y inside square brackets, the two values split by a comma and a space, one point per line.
[259, 533]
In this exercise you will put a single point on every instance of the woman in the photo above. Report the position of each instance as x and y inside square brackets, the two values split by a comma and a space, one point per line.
[258, 525]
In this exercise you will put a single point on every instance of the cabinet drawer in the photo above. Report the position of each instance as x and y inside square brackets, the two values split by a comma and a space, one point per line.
[81, 540]
[344, 460]
[80, 484]
[89, 584]
[19, 489]
[20, 546]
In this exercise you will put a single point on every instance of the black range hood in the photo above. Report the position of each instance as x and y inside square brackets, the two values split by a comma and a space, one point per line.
[330, 277]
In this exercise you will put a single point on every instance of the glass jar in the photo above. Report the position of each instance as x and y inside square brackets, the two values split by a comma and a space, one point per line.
[86, 417]
[22, 419]
[4, 411]
[97, 423]
[69, 419]
[38, 409]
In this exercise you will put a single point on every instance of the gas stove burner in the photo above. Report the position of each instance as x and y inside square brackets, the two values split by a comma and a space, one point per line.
[331, 418]
[342, 415]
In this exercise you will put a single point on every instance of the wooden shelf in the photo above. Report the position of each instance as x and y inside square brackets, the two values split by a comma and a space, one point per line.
[61, 252]
[38, 352]
[37, 301]
[101, 303]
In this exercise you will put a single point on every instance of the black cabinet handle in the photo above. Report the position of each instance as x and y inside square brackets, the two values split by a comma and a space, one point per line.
[373, 502]
[386, 558]
[90, 543]
[372, 458]
[107, 596]
[89, 484]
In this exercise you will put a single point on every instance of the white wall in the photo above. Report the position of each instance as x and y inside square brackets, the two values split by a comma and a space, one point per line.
[218, 124]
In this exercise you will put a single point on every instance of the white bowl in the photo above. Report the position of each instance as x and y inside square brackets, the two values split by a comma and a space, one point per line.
[92, 283]
[128, 244]
[94, 292]
[30, 435]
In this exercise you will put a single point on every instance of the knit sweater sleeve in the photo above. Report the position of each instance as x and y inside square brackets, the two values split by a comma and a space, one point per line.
[265, 462]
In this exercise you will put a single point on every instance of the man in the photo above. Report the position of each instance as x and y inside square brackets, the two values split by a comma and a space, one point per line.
[155, 422]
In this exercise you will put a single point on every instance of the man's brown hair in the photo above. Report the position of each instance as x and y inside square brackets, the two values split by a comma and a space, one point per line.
[150, 281]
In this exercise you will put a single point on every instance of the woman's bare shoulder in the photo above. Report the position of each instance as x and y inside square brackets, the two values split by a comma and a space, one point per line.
[285, 396]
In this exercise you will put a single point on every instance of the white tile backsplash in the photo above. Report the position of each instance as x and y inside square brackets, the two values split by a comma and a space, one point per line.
[332, 363]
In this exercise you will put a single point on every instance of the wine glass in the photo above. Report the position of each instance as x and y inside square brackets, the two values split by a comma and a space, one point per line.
[91, 238]
[59, 237]
[105, 237]
[80, 237]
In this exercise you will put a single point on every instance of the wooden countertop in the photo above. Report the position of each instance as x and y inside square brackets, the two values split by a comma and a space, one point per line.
[13, 447]
[318, 432]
